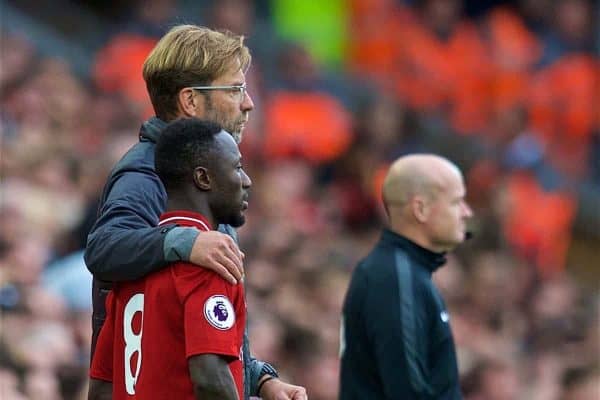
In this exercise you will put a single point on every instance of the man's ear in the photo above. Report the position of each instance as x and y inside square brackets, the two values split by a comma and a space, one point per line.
[201, 178]
[189, 103]
[420, 208]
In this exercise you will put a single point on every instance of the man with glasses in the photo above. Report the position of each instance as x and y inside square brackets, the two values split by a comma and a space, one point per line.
[191, 72]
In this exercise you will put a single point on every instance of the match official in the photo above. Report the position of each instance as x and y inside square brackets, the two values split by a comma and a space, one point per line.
[396, 341]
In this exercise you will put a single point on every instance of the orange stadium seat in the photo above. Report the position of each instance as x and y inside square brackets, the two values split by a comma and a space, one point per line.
[538, 223]
[565, 100]
[434, 74]
[313, 126]
[375, 30]
[515, 50]
[513, 46]
[118, 68]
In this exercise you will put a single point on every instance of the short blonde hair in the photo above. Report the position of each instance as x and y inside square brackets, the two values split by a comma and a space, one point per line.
[189, 55]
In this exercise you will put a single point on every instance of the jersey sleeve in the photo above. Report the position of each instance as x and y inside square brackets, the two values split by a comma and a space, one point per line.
[212, 308]
[102, 359]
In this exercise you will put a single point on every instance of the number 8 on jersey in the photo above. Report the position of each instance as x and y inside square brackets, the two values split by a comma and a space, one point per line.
[133, 340]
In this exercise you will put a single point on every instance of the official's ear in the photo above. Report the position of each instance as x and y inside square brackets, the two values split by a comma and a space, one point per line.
[420, 208]
[201, 178]
[190, 103]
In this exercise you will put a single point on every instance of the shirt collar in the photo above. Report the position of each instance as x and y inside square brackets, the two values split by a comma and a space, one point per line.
[185, 218]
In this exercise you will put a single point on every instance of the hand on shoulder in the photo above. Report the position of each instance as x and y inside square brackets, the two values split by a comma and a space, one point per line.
[218, 252]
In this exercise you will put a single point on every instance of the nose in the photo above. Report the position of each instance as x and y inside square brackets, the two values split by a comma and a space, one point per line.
[247, 104]
[246, 181]
[467, 211]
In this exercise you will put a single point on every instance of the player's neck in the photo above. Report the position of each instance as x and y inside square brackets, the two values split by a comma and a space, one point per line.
[178, 201]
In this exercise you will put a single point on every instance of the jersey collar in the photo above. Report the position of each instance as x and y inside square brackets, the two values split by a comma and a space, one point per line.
[185, 218]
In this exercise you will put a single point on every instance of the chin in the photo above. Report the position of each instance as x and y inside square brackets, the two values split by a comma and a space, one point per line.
[450, 243]
[237, 221]
[458, 240]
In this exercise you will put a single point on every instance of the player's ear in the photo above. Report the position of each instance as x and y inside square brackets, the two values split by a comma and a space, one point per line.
[201, 178]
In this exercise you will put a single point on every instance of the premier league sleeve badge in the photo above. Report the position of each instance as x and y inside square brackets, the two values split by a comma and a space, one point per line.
[219, 312]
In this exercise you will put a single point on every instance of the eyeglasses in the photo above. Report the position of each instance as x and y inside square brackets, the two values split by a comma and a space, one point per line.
[239, 91]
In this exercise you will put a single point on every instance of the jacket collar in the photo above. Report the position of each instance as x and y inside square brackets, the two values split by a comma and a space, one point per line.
[151, 129]
[424, 257]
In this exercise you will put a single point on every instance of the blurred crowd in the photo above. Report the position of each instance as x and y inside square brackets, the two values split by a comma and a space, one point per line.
[510, 93]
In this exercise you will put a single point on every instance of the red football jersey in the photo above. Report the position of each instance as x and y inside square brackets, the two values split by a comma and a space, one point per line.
[153, 325]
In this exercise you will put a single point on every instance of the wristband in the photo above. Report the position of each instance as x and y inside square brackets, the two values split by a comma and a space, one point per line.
[267, 369]
[267, 379]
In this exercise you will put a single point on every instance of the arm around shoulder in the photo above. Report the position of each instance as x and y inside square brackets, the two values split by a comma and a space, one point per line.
[125, 242]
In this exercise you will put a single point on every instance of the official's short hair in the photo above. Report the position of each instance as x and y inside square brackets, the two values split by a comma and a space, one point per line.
[189, 55]
[182, 146]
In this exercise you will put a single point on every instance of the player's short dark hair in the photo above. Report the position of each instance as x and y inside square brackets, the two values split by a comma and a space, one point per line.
[183, 145]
